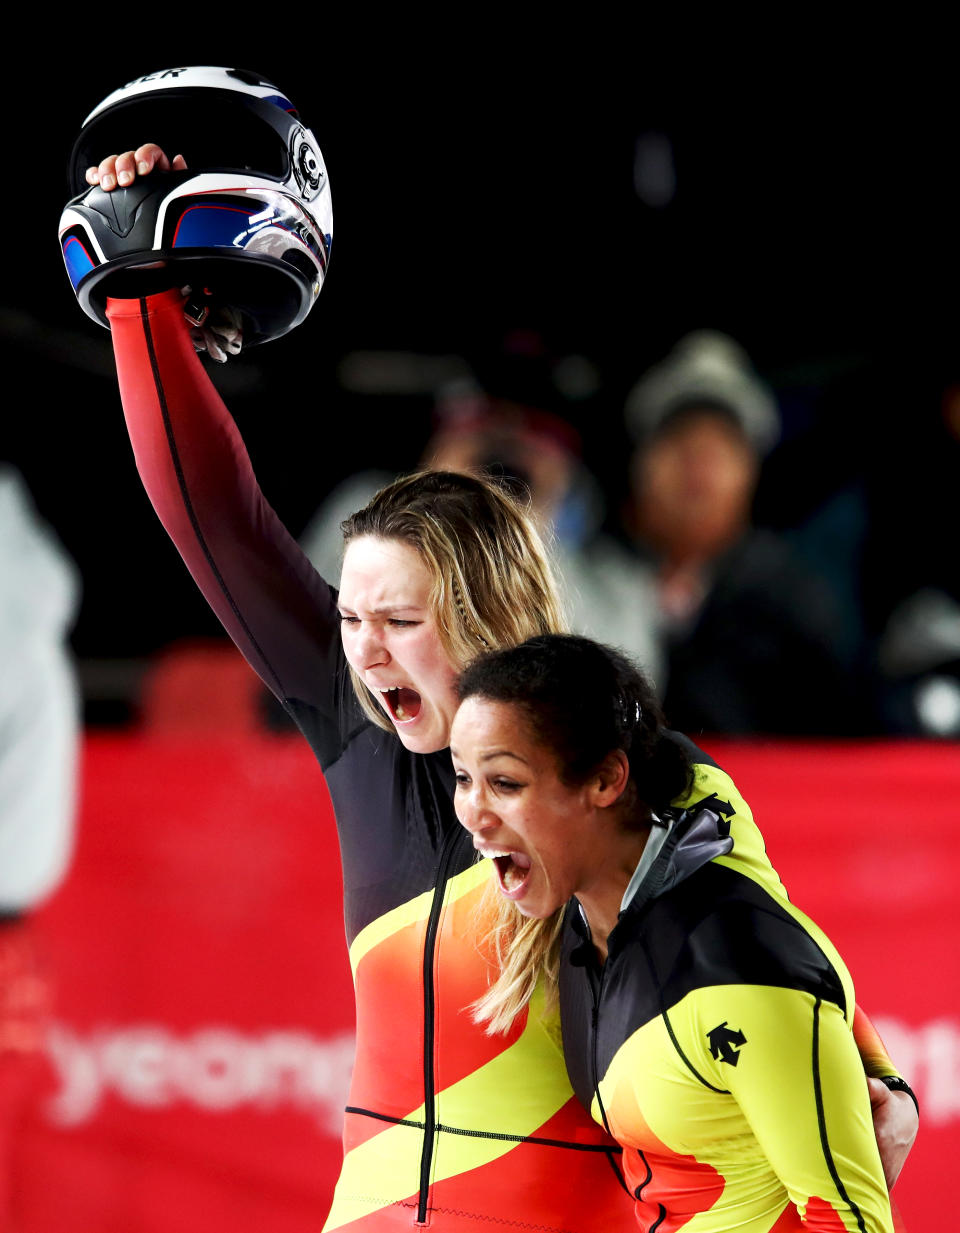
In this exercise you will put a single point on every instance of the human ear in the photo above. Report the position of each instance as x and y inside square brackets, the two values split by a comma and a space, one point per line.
[610, 780]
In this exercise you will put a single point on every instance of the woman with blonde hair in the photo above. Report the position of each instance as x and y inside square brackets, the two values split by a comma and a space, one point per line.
[447, 1124]
[707, 1023]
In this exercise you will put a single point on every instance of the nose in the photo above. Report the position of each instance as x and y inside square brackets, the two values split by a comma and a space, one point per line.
[472, 811]
[369, 648]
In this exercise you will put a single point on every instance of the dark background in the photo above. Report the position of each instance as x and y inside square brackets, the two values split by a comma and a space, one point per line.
[483, 181]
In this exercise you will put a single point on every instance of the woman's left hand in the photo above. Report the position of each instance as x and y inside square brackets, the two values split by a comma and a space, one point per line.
[895, 1123]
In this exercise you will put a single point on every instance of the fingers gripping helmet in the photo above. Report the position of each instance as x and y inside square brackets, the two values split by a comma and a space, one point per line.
[250, 218]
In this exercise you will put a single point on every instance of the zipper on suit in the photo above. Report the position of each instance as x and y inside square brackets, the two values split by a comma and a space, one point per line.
[596, 988]
[429, 1024]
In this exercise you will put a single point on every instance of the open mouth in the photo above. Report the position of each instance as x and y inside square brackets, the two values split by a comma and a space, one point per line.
[402, 703]
[513, 868]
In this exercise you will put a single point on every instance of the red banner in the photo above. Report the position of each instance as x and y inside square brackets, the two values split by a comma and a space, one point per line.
[202, 1035]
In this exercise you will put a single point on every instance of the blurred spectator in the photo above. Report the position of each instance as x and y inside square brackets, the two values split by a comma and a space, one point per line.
[753, 641]
[39, 711]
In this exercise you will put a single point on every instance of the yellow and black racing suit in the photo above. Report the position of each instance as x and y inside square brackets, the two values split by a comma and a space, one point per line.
[715, 1043]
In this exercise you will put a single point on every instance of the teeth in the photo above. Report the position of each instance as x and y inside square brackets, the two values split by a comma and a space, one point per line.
[399, 711]
[512, 867]
[512, 877]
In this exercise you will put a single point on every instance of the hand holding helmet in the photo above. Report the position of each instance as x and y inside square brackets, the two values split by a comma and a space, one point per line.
[122, 169]
[251, 216]
[214, 329]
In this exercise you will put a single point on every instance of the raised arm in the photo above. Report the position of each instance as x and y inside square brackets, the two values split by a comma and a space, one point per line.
[196, 471]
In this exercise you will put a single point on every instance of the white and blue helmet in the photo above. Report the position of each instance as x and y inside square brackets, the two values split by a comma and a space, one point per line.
[250, 219]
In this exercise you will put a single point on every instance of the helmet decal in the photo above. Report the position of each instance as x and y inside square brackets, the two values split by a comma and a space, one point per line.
[78, 261]
[307, 163]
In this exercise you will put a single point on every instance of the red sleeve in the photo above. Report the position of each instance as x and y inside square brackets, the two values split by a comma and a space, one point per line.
[196, 471]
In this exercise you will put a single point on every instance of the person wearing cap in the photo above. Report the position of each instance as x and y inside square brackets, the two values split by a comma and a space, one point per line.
[752, 639]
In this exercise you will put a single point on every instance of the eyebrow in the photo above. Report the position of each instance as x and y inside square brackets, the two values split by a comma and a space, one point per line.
[384, 609]
[496, 753]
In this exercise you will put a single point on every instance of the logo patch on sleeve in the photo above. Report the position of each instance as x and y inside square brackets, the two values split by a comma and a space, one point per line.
[725, 1043]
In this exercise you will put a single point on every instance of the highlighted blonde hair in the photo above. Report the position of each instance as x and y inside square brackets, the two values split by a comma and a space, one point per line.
[492, 582]
[521, 952]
